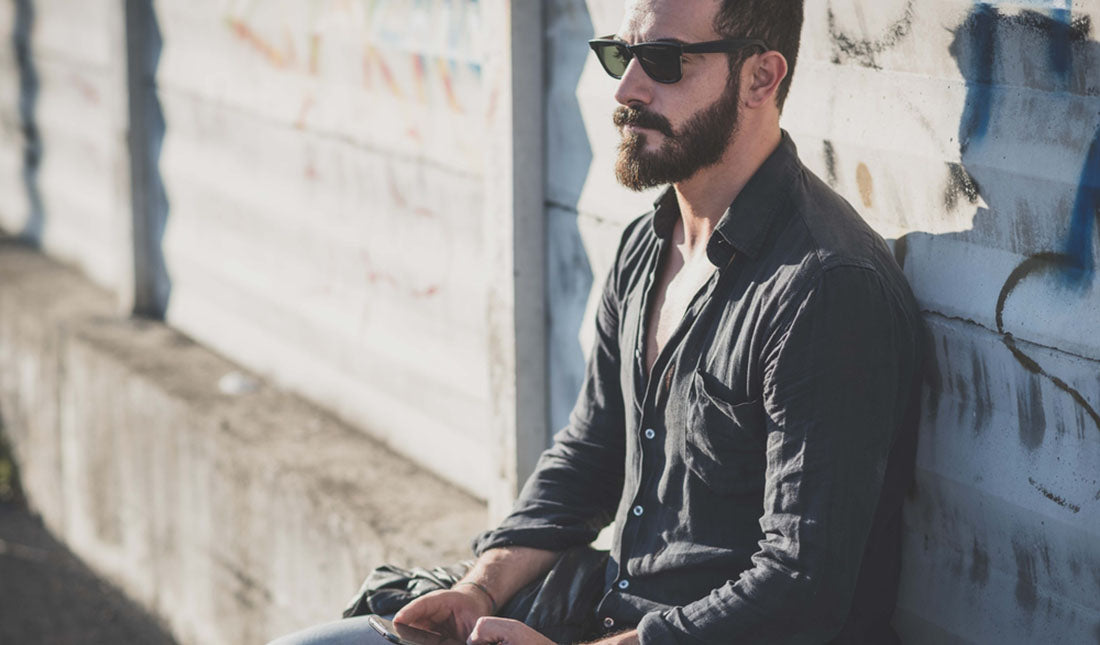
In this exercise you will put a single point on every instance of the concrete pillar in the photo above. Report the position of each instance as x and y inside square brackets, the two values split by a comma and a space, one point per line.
[515, 239]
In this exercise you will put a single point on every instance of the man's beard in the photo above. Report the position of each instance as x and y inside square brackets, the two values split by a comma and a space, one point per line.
[699, 143]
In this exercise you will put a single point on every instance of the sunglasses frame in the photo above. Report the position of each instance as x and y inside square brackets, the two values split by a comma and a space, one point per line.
[725, 45]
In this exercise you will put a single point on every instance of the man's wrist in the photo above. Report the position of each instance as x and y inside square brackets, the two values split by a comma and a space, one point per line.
[483, 591]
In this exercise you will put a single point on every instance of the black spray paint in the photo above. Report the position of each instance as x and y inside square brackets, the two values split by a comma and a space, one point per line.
[864, 51]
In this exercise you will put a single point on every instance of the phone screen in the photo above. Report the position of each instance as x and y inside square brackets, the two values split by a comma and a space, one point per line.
[405, 635]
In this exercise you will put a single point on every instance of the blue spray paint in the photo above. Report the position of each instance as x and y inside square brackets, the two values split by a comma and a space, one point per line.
[981, 29]
[1080, 266]
[1059, 43]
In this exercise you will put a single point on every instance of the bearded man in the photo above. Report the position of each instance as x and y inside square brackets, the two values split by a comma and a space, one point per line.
[749, 410]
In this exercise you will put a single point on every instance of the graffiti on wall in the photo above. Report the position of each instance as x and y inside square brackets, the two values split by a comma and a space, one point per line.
[1049, 49]
[984, 38]
[426, 51]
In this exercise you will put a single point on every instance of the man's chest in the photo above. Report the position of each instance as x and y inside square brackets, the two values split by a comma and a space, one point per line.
[678, 284]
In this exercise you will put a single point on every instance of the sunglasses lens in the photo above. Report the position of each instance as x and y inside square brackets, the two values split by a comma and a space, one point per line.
[660, 62]
[614, 58]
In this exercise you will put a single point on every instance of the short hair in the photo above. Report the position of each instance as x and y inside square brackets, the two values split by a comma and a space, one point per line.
[777, 22]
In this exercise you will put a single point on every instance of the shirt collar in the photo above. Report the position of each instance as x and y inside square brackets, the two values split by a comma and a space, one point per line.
[745, 224]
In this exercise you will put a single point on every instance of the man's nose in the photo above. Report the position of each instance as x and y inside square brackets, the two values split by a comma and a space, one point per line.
[635, 87]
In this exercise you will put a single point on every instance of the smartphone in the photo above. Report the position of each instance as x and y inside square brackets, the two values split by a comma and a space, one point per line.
[405, 635]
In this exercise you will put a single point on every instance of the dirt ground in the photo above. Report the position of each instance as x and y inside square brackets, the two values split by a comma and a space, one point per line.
[48, 596]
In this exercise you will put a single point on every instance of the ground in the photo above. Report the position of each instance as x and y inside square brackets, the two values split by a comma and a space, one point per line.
[48, 596]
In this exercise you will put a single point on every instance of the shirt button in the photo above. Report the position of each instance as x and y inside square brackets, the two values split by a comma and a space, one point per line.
[638, 510]
[608, 622]
[650, 433]
[624, 584]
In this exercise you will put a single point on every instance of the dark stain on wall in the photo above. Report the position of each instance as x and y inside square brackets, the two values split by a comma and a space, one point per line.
[983, 400]
[1027, 596]
[864, 51]
[1032, 419]
[830, 163]
[979, 565]
[959, 184]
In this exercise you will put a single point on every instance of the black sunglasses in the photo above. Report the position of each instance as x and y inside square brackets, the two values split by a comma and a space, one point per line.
[661, 60]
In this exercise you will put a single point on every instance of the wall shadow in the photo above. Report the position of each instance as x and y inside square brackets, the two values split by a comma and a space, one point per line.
[1000, 137]
[149, 201]
[28, 101]
[568, 158]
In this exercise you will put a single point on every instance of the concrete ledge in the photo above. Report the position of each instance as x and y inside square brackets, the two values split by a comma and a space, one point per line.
[234, 517]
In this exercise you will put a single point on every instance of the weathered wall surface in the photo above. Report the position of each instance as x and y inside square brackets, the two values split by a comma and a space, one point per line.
[969, 136]
[64, 172]
[323, 171]
[235, 516]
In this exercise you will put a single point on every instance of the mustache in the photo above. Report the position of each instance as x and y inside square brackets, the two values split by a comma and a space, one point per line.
[641, 118]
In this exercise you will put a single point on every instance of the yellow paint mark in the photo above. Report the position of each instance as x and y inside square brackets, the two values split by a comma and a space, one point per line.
[866, 185]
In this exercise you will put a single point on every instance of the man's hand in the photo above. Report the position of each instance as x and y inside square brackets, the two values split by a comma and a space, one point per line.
[505, 631]
[451, 612]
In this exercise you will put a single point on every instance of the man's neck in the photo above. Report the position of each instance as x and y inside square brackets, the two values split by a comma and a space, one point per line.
[705, 196]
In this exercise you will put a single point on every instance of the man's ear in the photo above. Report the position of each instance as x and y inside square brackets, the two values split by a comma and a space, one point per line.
[761, 77]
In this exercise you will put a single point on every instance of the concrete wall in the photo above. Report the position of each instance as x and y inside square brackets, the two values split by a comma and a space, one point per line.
[236, 515]
[967, 134]
[65, 168]
[323, 169]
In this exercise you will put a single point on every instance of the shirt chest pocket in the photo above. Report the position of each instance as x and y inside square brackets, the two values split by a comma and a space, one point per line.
[724, 442]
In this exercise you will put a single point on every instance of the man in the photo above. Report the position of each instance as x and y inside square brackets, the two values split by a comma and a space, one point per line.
[748, 412]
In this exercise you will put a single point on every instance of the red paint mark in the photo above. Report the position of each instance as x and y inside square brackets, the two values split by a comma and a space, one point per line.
[311, 171]
[303, 113]
[387, 74]
[257, 42]
[448, 85]
[402, 203]
[421, 76]
[86, 89]
[377, 277]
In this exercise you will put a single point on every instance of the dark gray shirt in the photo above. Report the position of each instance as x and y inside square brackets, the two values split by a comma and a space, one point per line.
[756, 479]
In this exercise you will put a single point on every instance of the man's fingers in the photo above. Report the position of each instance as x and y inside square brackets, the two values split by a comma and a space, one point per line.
[427, 610]
[505, 631]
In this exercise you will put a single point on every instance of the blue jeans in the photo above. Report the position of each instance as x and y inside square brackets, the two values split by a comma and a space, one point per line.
[349, 631]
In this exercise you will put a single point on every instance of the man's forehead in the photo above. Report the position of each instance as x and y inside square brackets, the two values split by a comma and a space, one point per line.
[684, 20]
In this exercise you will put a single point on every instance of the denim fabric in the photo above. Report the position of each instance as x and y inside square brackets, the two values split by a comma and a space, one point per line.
[757, 478]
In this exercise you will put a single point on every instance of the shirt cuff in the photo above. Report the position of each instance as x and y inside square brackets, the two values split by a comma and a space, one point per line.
[657, 628]
[547, 538]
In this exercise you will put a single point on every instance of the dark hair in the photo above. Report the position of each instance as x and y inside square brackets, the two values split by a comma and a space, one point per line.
[777, 22]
